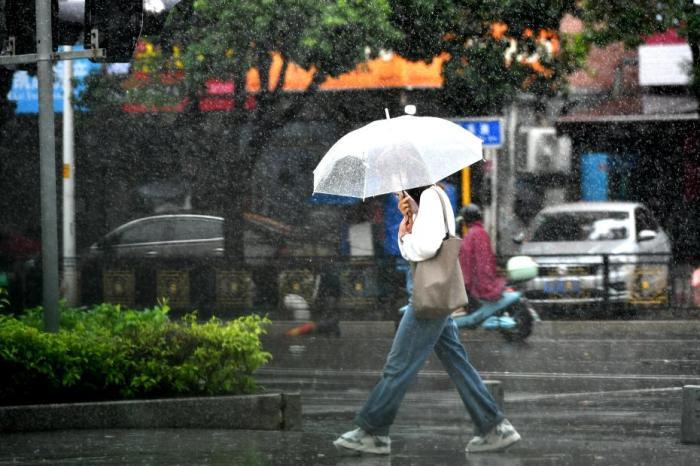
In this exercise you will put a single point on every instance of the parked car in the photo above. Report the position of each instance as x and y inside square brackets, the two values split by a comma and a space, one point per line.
[572, 243]
[187, 235]
[174, 235]
[202, 236]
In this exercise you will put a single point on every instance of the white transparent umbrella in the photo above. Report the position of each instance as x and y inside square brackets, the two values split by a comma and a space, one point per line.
[395, 154]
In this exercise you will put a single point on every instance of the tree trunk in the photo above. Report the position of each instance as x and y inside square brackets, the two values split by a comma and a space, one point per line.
[265, 119]
[235, 176]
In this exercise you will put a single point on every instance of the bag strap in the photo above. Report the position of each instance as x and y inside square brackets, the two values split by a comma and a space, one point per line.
[444, 212]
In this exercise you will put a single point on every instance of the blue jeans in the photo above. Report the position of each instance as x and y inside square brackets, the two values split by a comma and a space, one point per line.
[402, 265]
[413, 342]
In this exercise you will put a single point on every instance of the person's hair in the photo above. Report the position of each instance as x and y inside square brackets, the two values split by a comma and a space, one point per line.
[470, 213]
[416, 192]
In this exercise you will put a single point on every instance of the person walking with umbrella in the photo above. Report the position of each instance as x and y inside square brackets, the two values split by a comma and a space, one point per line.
[420, 235]
[410, 155]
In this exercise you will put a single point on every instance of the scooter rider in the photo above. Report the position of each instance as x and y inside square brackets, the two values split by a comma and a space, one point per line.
[478, 261]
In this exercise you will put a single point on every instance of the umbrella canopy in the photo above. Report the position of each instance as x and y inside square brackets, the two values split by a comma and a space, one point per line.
[395, 154]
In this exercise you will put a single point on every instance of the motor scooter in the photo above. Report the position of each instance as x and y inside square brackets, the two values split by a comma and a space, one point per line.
[511, 315]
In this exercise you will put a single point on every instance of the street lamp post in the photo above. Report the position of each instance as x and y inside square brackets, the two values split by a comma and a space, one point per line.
[70, 274]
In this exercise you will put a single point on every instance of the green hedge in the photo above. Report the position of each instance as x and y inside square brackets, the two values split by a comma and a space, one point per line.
[106, 352]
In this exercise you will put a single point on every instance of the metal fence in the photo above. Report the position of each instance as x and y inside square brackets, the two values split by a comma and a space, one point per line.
[612, 281]
[355, 288]
[360, 287]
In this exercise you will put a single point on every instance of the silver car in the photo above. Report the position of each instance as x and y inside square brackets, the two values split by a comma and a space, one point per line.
[575, 243]
[196, 236]
[175, 235]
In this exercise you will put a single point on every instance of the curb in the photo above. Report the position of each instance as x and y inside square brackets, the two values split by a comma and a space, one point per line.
[275, 411]
[309, 381]
[547, 329]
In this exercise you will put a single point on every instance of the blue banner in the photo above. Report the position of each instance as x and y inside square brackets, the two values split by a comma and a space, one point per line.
[25, 88]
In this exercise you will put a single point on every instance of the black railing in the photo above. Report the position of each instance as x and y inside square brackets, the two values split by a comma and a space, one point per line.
[611, 281]
[287, 287]
[357, 287]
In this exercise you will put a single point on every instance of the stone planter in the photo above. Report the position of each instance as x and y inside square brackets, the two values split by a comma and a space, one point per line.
[274, 411]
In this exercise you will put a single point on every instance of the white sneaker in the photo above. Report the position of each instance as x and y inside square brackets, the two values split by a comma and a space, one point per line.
[360, 441]
[501, 437]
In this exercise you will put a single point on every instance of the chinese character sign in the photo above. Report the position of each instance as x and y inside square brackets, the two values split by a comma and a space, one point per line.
[489, 130]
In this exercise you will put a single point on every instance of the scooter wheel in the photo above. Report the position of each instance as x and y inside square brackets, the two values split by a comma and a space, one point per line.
[523, 320]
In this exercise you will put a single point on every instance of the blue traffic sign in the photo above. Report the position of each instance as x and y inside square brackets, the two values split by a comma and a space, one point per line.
[25, 88]
[489, 130]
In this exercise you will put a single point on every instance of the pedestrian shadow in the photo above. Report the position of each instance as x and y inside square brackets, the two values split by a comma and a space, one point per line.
[482, 459]
[491, 459]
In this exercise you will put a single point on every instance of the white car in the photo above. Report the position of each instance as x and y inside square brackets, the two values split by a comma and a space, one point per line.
[575, 243]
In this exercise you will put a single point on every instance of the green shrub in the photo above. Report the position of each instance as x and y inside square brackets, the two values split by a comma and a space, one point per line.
[4, 299]
[106, 352]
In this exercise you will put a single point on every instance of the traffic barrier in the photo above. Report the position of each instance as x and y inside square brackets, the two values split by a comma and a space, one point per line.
[690, 418]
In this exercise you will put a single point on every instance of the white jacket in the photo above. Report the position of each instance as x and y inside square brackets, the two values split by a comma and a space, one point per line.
[428, 226]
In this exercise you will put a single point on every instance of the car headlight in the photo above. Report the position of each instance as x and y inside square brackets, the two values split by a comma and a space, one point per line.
[620, 272]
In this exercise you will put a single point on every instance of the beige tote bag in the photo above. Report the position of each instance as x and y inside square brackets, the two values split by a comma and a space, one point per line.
[438, 284]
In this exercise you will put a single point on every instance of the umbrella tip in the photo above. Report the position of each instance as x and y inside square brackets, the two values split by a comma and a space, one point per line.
[386, 112]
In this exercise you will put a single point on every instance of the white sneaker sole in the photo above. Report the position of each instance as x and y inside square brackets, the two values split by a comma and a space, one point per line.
[495, 447]
[343, 445]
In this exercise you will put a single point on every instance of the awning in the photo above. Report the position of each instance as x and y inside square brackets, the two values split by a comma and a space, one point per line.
[633, 109]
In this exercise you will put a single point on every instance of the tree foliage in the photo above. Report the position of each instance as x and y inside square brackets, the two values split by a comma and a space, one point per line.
[496, 48]
[331, 37]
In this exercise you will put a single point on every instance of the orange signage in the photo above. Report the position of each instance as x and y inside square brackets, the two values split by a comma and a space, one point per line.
[390, 70]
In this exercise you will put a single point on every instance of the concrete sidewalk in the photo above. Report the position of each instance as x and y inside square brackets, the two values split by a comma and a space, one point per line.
[615, 428]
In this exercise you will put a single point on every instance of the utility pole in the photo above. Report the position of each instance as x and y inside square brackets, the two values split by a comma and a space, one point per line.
[47, 156]
[70, 273]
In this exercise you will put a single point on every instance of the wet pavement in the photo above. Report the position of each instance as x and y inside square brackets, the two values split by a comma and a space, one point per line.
[579, 393]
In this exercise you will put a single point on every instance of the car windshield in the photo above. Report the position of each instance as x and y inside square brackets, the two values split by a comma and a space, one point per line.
[581, 226]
